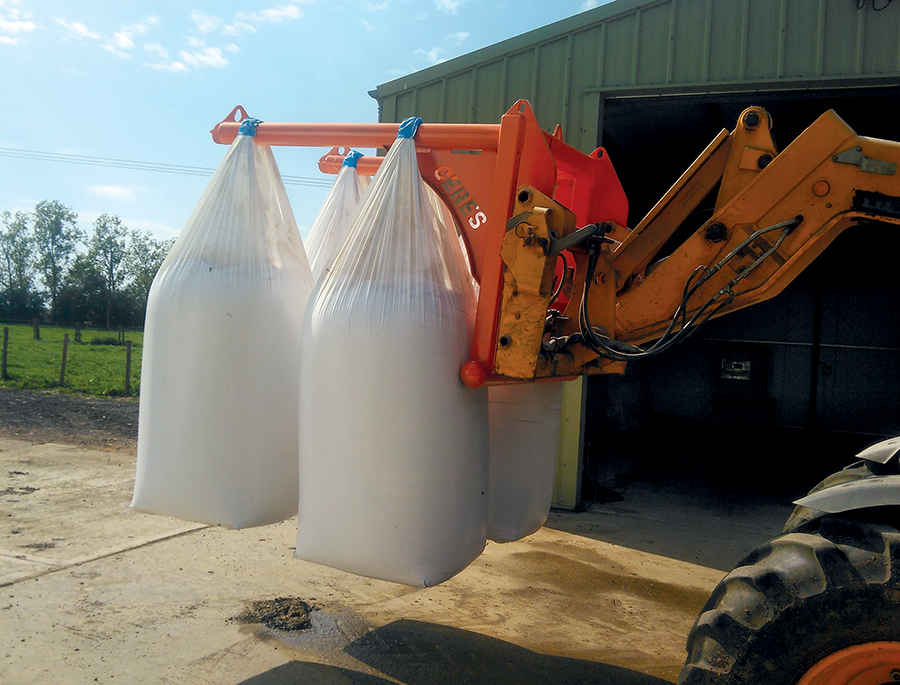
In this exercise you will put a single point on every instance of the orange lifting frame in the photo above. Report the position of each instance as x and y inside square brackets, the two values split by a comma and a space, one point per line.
[476, 169]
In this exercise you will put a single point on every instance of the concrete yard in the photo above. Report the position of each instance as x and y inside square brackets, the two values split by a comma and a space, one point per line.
[93, 592]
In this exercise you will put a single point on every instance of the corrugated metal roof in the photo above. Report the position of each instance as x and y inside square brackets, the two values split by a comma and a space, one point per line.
[653, 46]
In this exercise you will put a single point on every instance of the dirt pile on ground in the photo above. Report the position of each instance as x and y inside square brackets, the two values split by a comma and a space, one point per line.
[46, 416]
[281, 613]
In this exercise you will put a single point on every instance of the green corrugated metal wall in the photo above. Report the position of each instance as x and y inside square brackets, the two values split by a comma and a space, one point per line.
[639, 47]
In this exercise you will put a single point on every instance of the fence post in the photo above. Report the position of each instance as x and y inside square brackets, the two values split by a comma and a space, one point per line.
[36, 324]
[128, 369]
[77, 332]
[3, 373]
[121, 334]
[62, 368]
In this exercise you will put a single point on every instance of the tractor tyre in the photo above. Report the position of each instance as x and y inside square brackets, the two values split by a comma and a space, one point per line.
[817, 606]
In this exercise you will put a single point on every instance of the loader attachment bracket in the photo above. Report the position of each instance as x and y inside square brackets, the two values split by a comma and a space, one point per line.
[856, 157]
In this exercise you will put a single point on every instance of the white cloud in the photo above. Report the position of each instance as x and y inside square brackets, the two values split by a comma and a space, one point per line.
[14, 25]
[14, 21]
[206, 23]
[123, 39]
[368, 26]
[243, 21]
[78, 29]
[142, 27]
[207, 57]
[113, 192]
[198, 53]
[588, 4]
[156, 49]
[273, 15]
[459, 37]
[450, 6]
[121, 54]
[433, 55]
[238, 28]
[174, 67]
[372, 7]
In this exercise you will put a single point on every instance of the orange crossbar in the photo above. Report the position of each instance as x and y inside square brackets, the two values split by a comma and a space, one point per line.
[438, 136]
[333, 162]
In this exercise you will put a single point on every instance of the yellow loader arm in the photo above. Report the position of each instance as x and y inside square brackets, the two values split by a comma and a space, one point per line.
[774, 213]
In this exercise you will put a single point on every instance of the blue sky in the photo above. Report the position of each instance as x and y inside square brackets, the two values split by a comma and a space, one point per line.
[145, 81]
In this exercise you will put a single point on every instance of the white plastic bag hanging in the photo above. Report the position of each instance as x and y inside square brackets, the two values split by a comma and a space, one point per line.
[330, 227]
[218, 427]
[524, 437]
[524, 422]
[393, 447]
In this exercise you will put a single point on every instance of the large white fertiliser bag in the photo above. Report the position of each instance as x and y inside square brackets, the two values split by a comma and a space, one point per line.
[218, 427]
[524, 438]
[393, 447]
[524, 421]
[333, 221]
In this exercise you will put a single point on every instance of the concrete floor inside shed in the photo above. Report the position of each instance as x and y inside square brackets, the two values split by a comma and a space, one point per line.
[92, 591]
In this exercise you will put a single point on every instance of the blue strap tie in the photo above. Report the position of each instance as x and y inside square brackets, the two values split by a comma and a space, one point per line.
[350, 159]
[409, 127]
[248, 127]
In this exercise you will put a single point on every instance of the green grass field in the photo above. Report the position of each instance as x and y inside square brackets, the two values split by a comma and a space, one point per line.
[92, 369]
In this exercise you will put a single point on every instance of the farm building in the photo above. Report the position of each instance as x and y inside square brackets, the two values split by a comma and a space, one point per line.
[653, 81]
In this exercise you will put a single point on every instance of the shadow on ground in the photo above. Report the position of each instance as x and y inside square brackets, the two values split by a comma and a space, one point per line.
[420, 653]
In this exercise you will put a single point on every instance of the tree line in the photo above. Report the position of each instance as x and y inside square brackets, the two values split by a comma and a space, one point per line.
[53, 270]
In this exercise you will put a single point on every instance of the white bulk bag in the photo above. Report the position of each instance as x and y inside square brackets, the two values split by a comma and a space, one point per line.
[330, 227]
[218, 427]
[524, 422]
[524, 438]
[393, 447]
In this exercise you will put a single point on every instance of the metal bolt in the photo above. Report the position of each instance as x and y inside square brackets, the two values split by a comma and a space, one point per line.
[751, 120]
[505, 341]
[716, 233]
[764, 161]
[895, 675]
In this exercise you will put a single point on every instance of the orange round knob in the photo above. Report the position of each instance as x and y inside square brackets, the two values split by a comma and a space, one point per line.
[821, 188]
[473, 374]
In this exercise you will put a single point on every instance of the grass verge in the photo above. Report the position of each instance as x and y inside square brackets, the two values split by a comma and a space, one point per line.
[94, 366]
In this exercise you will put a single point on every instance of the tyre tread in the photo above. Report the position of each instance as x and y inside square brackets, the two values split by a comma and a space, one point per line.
[774, 583]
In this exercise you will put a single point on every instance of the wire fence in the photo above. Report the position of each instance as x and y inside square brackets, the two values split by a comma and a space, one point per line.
[49, 367]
